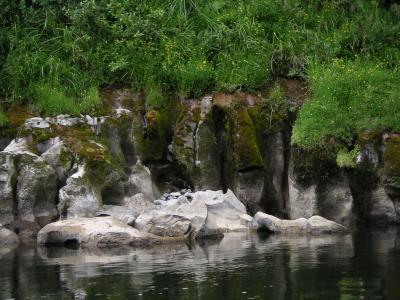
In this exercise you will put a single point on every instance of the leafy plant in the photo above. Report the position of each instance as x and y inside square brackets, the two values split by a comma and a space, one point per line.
[347, 159]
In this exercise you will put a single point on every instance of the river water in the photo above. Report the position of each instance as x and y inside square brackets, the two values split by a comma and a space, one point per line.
[365, 265]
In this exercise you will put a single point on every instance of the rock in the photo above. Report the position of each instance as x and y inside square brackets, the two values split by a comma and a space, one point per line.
[8, 176]
[95, 232]
[139, 202]
[382, 208]
[269, 222]
[77, 197]
[320, 225]
[302, 200]
[249, 189]
[368, 154]
[139, 190]
[124, 214]
[335, 200]
[313, 225]
[19, 146]
[60, 159]
[223, 210]
[27, 190]
[7, 237]
[68, 121]
[36, 193]
[195, 146]
[174, 220]
[275, 174]
[36, 122]
[246, 220]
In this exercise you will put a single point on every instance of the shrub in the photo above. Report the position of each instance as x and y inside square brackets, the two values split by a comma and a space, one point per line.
[347, 159]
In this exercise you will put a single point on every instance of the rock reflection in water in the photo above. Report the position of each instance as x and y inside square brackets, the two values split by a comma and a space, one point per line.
[241, 266]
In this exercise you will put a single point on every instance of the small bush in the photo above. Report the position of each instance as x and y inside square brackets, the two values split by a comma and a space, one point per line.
[91, 101]
[347, 159]
[274, 108]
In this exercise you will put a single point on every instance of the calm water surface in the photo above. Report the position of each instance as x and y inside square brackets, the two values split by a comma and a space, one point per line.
[241, 266]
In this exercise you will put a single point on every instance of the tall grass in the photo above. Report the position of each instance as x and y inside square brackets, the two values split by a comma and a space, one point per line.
[184, 46]
[348, 98]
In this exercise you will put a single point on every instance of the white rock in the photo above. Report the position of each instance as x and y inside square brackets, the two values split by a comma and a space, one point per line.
[176, 220]
[224, 210]
[36, 122]
[314, 225]
[95, 232]
[124, 214]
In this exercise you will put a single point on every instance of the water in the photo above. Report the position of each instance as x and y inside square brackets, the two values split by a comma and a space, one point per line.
[241, 266]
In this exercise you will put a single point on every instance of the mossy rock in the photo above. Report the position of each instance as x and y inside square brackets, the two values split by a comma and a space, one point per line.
[392, 166]
[313, 165]
[245, 141]
[392, 157]
[152, 140]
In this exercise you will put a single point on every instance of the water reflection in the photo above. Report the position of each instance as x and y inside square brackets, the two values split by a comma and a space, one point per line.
[241, 266]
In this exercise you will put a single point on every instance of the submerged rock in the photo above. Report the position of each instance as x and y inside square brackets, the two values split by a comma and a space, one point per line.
[313, 225]
[95, 232]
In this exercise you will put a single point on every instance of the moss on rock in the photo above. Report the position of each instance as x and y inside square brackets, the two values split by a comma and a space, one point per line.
[245, 141]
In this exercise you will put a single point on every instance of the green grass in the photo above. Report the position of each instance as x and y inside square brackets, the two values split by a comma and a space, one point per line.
[349, 97]
[186, 46]
[52, 101]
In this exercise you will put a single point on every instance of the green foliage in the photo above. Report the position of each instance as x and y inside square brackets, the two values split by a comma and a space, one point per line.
[185, 46]
[347, 159]
[3, 119]
[274, 108]
[52, 101]
[348, 97]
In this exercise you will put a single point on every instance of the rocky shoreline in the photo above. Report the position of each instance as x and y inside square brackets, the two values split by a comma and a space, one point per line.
[137, 175]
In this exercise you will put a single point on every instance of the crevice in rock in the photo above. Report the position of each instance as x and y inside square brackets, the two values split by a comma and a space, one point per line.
[220, 118]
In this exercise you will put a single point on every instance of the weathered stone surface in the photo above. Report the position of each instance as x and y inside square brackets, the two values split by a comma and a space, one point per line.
[335, 200]
[27, 190]
[313, 225]
[177, 219]
[36, 193]
[124, 214]
[7, 184]
[224, 211]
[60, 159]
[36, 122]
[139, 190]
[78, 197]
[7, 237]
[95, 232]
[249, 189]
[320, 225]
[382, 209]
[302, 200]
